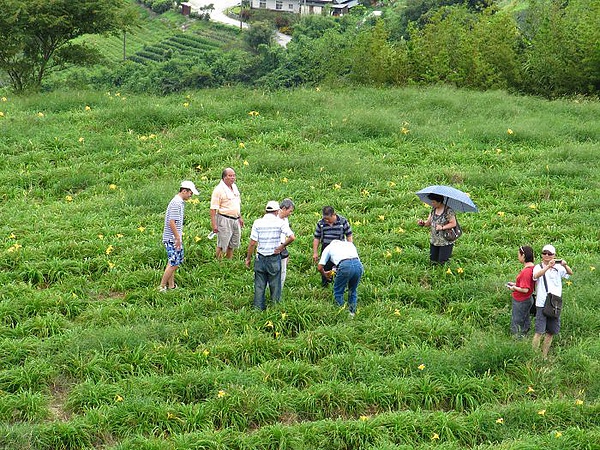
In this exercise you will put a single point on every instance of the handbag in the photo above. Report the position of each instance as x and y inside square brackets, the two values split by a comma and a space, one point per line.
[553, 304]
[453, 233]
[533, 308]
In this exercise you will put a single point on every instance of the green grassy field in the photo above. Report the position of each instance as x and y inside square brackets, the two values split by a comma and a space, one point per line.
[92, 356]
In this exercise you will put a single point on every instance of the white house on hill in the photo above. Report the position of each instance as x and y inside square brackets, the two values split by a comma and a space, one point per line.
[304, 7]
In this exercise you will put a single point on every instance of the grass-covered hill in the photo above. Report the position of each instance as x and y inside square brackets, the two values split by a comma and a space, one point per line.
[93, 356]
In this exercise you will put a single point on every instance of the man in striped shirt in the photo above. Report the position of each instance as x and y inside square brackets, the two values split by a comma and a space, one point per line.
[172, 232]
[265, 237]
[331, 227]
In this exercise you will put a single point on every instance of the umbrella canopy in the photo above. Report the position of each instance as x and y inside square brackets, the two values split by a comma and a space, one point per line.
[454, 198]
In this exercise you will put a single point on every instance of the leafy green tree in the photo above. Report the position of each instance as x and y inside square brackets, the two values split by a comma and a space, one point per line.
[563, 56]
[259, 33]
[37, 35]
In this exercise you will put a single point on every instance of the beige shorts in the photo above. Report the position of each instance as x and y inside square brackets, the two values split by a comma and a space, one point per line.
[229, 235]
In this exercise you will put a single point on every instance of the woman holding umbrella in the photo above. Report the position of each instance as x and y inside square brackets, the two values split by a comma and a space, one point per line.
[440, 218]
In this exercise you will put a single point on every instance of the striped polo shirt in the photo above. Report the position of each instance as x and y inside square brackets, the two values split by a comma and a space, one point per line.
[267, 232]
[174, 212]
[326, 233]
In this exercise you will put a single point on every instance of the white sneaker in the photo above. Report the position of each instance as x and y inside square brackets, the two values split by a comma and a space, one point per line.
[351, 315]
[162, 289]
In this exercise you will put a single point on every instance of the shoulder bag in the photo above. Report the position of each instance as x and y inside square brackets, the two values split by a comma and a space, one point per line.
[453, 233]
[553, 304]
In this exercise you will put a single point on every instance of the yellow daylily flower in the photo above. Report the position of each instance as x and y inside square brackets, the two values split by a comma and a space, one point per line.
[500, 420]
[4, 99]
[542, 412]
[205, 353]
[435, 436]
[69, 198]
[186, 104]
[449, 271]
[241, 145]
[87, 108]
[391, 184]
[40, 114]
[197, 238]
[109, 249]
[557, 434]
[112, 186]
[364, 418]
[396, 312]
[111, 265]
[141, 229]
[221, 394]
[119, 235]
[337, 186]
[398, 249]
[284, 180]
[118, 398]
[12, 236]
[1, 114]
[579, 402]
[500, 213]
[269, 324]
[592, 268]
[421, 367]
[530, 389]
[283, 315]
[246, 162]
[404, 130]
[509, 131]
[460, 270]
[381, 217]
[101, 236]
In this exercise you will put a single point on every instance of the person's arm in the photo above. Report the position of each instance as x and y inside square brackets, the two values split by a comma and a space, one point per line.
[322, 270]
[349, 237]
[448, 226]
[566, 266]
[282, 246]
[540, 272]
[425, 223]
[176, 235]
[213, 220]
[251, 248]
[316, 249]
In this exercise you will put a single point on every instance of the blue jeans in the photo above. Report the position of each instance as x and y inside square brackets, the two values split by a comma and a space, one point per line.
[267, 270]
[348, 275]
[520, 322]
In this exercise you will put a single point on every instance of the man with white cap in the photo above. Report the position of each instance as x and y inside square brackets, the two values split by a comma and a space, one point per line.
[548, 277]
[172, 233]
[265, 237]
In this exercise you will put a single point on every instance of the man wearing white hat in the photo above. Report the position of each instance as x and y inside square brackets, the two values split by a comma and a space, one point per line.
[265, 237]
[172, 233]
[548, 277]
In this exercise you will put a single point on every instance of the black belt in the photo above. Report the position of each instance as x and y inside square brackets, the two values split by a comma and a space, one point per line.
[347, 259]
[229, 217]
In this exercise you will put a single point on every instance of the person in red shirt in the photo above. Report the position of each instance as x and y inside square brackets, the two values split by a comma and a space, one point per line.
[521, 292]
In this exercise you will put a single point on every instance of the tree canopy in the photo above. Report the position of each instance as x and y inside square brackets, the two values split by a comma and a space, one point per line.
[37, 35]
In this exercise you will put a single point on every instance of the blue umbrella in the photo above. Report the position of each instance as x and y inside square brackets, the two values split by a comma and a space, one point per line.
[454, 198]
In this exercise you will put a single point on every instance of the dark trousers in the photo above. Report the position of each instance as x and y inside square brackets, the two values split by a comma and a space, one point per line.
[441, 254]
[267, 270]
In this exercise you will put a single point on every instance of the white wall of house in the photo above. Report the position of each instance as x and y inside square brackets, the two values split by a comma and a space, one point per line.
[277, 5]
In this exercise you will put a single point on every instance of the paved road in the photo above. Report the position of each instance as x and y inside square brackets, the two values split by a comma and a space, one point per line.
[218, 15]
